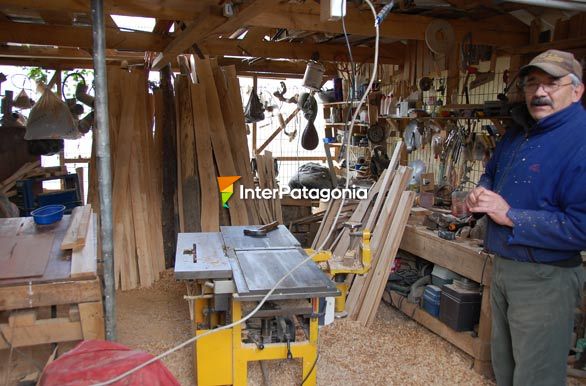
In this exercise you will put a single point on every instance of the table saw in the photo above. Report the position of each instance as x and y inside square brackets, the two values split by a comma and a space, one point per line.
[230, 273]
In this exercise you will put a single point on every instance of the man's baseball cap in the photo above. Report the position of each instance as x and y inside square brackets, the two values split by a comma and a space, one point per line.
[555, 63]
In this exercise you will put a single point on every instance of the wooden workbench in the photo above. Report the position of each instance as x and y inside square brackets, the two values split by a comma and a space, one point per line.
[467, 259]
[28, 298]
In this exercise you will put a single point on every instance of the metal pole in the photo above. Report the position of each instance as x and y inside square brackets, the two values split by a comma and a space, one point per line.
[102, 138]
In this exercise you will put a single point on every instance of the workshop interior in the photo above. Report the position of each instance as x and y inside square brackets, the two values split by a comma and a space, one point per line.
[258, 192]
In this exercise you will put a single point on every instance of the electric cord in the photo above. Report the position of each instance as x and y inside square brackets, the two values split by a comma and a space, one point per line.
[307, 259]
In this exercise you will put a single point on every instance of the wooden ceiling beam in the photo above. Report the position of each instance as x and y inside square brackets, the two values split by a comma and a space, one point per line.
[69, 36]
[271, 69]
[63, 53]
[396, 26]
[207, 24]
[256, 34]
[56, 17]
[393, 54]
[566, 44]
[168, 9]
[162, 27]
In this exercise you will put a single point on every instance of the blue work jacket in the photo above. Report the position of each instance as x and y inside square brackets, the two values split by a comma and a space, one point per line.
[541, 173]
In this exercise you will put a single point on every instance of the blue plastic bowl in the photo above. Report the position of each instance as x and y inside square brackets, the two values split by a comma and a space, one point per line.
[48, 214]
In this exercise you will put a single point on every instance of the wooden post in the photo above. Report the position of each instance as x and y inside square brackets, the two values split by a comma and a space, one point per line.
[482, 363]
[453, 84]
[169, 168]
[254, 84]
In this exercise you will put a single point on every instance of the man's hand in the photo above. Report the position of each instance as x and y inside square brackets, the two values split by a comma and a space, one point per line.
[481, 200]
[472, 198]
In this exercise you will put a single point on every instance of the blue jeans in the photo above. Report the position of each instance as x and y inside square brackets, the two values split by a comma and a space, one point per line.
[532, 321]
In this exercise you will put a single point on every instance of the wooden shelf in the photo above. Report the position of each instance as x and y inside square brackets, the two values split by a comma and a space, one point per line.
[341, 103]
[344, 124]
[467, 259]
[338, 144]
[445, 118]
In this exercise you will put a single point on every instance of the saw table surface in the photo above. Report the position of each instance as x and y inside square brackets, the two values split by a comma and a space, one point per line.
[210, 262]
[254, 263]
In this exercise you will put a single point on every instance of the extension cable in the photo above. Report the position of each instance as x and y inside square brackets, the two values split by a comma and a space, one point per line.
[320, 248]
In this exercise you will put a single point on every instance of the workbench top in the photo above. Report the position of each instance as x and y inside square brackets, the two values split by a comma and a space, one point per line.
[58, 267]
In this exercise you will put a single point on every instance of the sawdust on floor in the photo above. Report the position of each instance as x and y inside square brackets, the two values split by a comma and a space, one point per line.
[394, 351]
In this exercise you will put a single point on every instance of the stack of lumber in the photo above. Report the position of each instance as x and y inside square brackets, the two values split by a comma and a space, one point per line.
[81, 238]
[212, 143]
[363, 214]
[384, 213]
[387, 228]
[326, 240]
[29, 170]
[136, 201]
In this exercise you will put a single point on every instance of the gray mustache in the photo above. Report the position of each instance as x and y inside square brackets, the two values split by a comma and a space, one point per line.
[541, 101]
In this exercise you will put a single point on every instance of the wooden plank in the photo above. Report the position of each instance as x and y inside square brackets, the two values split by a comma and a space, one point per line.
[126, 270]
[139, 186]
[277, 131]
[210, 217]
[39, 295]
[43, 332]
[22, 318]
[168, 173]
[84, 262]
[59, 264]
[206, 24]
[92, 320]
[9, 182]
[269, 164]
[152, 149]
[385, 263]
[170, 9]
[359, 215]
[78, 228]
[190, 216]
[326, 225]
[25, 255]
[463, 340]
[220, 143]
[237, 132]
[482, 351]
[77, 36]
[388, 54]
[361, 283]
[410, 27]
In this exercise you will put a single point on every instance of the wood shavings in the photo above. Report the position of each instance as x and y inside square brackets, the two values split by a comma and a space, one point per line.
[394, 351]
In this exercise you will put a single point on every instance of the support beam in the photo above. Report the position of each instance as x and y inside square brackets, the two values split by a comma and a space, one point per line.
[205, 25]
[270, 68]
[168, 9]
[392, 54]
[395, 26]
[566, 44]
[64, 53]
[70, 36]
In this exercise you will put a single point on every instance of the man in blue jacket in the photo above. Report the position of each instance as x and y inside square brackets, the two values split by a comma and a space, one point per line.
[534, 192]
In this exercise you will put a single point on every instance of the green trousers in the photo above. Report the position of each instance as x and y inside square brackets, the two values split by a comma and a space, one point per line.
[532, 321]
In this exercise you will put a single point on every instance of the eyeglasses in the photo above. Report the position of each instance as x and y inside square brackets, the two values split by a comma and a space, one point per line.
[531, 87]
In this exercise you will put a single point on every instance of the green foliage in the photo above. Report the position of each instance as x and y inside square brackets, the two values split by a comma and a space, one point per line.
[37, 74]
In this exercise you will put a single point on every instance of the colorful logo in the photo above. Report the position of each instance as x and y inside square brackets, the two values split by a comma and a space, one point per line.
[226, 185]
